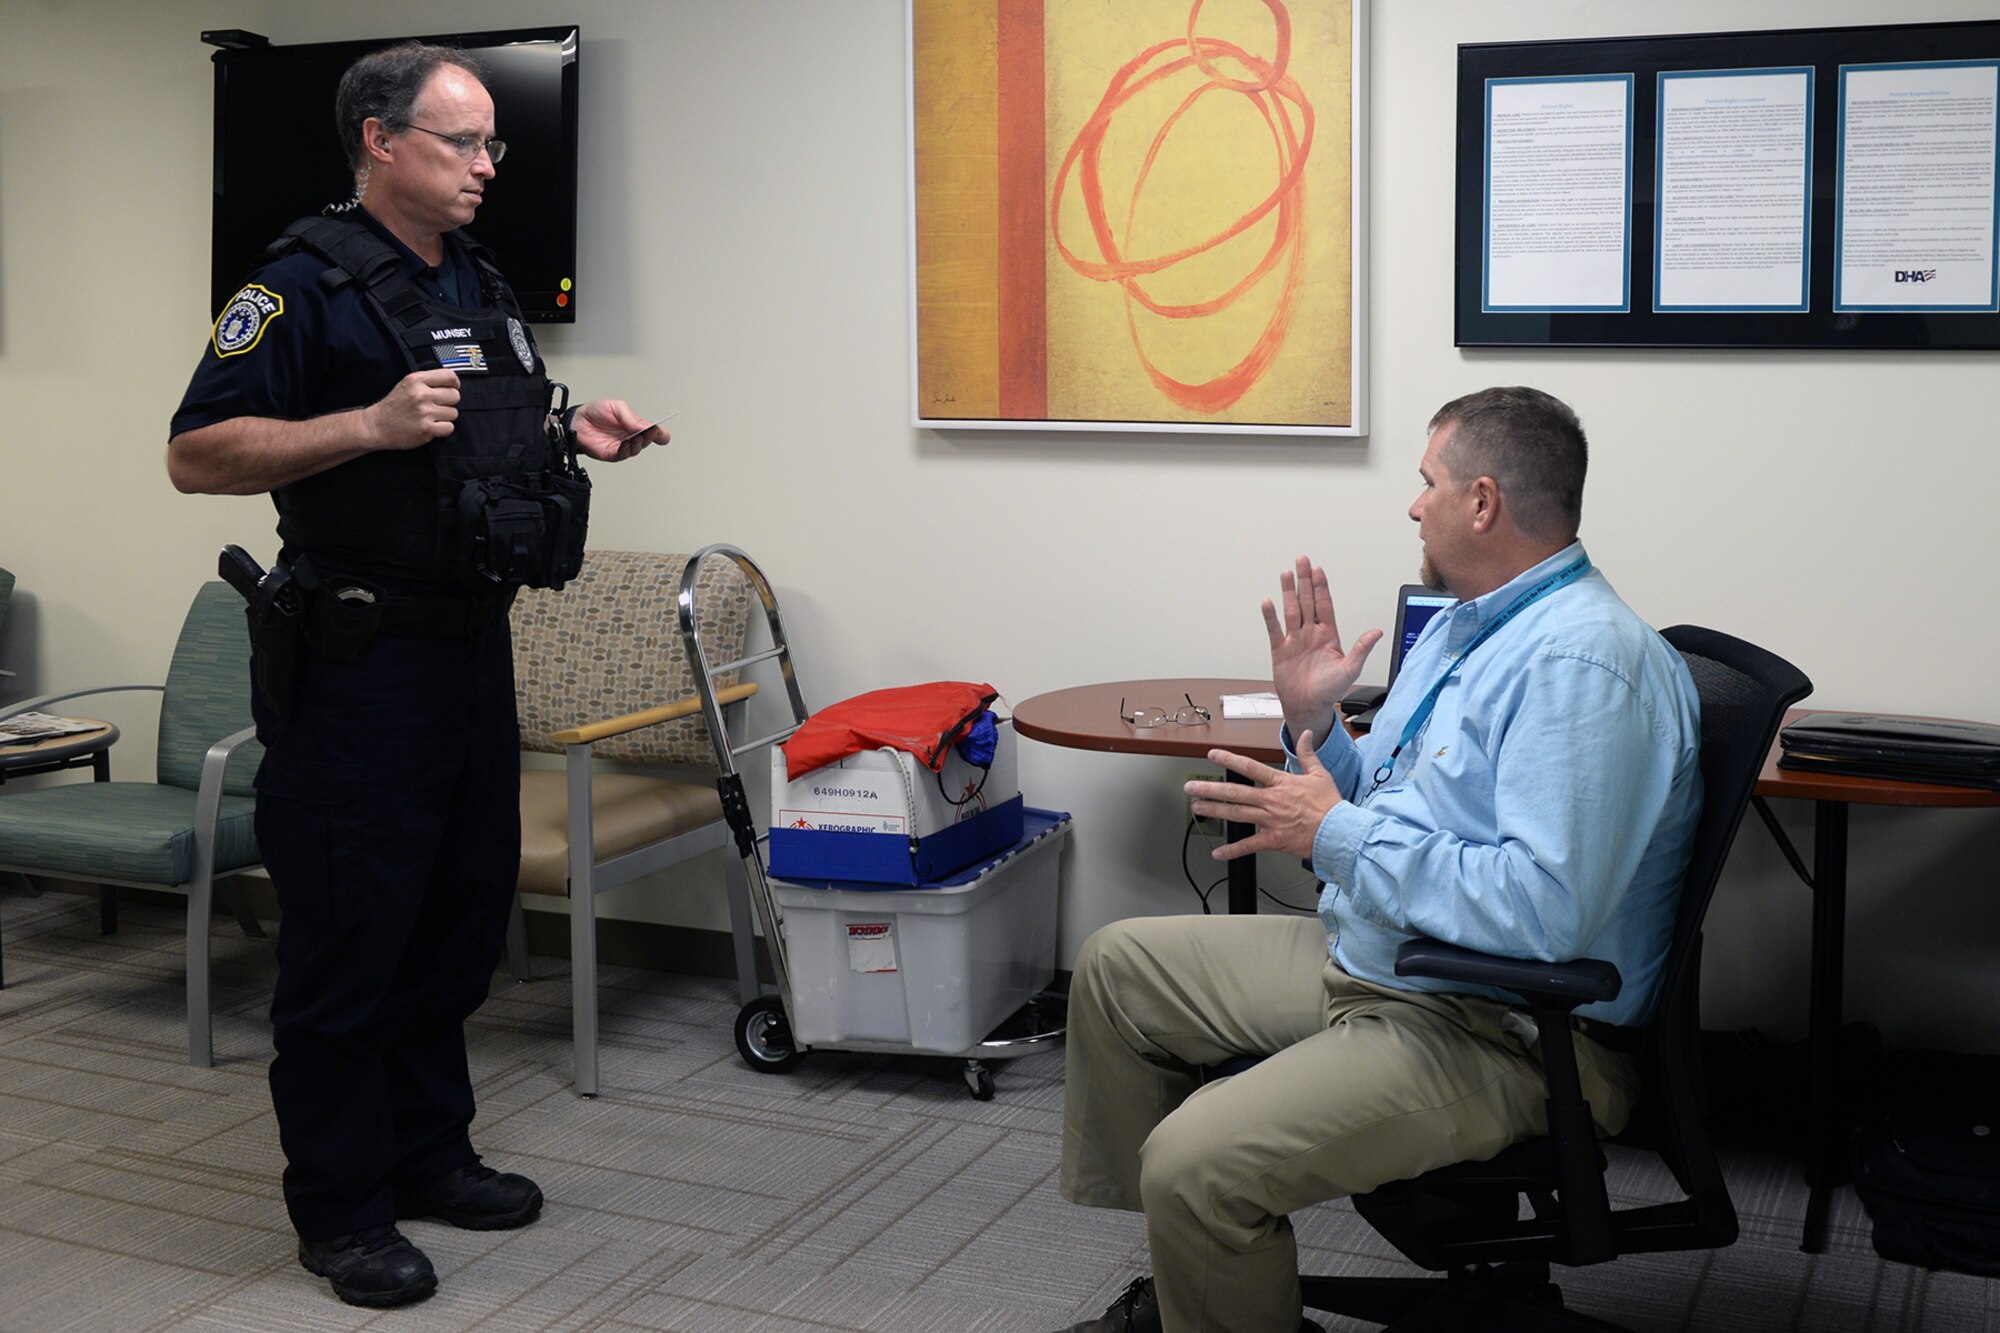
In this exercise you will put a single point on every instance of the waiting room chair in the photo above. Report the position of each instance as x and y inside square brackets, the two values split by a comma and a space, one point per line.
[185, 829]
[6, 596]
[1464, 1220]
[601, 677]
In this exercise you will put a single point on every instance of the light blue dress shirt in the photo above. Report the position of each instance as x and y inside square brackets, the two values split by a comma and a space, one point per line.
[1545, 810]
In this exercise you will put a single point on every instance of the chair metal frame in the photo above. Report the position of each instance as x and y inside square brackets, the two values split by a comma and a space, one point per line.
[590, 877]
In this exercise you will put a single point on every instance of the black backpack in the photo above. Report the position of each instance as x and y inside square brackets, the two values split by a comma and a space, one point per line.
[1927, 1166]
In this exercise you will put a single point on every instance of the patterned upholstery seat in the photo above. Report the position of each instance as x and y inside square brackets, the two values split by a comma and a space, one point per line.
[601, 674]
[190, 826]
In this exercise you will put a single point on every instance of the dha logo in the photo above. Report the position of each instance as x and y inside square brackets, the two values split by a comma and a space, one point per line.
[1915, 274]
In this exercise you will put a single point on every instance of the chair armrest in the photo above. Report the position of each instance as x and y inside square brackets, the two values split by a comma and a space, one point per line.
[35, 704]
[216, 761]
[208, 795]
[1559, 986]
[591, 732]
[1552, 990]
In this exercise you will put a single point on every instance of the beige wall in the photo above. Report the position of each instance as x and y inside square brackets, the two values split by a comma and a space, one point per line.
[744, 233]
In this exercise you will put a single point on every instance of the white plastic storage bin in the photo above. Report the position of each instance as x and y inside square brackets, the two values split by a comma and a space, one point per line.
[935, 969]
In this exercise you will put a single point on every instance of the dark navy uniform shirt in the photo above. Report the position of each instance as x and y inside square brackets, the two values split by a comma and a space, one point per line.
[286, 347]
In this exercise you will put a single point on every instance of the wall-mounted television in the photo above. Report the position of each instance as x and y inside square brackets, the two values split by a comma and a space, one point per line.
[277, 157]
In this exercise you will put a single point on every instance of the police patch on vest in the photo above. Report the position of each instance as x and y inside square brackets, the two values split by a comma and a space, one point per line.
[523, 349]
[460, 356]
[245, 318]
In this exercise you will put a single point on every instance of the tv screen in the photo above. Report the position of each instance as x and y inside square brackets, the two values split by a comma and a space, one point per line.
[277, 157]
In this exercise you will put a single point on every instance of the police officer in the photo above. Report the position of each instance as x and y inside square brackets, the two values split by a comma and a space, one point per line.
[378, 381]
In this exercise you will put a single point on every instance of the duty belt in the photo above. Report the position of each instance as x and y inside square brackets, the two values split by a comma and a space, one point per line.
[339, 623]
[445, 616]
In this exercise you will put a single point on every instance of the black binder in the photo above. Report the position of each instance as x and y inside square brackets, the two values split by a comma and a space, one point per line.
[1959, 754]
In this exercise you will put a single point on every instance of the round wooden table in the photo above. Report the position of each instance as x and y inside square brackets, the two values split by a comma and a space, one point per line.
[1086, 717]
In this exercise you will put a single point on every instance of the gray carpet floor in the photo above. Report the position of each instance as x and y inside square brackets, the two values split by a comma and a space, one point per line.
[856, 1193]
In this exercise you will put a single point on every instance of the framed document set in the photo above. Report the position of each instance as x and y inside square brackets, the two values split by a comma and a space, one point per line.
[1814, 188]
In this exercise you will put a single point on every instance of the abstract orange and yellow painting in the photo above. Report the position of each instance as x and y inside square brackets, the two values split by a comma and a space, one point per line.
[1135, 213]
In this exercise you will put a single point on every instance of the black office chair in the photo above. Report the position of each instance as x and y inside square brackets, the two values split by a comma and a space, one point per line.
[1464, 1220]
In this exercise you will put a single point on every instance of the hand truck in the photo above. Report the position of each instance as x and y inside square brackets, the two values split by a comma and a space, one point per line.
[763, 1031]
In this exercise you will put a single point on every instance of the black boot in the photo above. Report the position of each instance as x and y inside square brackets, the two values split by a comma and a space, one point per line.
[475, 1197]
[1137, 1310]
[377, 1267]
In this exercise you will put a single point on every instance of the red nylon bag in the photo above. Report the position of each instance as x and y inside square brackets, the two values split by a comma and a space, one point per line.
[922, 720]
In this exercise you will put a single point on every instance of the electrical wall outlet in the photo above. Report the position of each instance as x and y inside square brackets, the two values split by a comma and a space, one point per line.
[1206, 828]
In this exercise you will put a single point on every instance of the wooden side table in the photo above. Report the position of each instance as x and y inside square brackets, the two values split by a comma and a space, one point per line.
[92, 748]
[1828, 1119]
[60, 752]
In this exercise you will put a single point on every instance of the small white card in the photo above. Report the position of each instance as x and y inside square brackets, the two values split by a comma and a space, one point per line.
[871, 947]
[1251, 705]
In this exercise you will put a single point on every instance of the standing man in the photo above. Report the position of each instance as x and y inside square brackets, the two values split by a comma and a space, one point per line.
[379, 382]
[1530, 788]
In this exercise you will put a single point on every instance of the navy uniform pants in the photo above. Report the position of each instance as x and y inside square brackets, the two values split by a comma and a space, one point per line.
[388, 815]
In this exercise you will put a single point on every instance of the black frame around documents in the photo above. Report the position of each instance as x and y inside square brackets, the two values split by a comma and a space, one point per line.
[1819, 326]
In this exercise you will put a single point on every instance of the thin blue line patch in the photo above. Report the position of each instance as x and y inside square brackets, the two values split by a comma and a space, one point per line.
[460, 356]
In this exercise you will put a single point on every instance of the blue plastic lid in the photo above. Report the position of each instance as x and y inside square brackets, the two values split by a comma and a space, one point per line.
[1035, 825]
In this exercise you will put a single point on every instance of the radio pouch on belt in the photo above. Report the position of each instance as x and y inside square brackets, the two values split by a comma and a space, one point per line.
[343, 620]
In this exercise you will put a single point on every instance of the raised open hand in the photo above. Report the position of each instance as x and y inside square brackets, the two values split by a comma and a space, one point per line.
[1310, 669]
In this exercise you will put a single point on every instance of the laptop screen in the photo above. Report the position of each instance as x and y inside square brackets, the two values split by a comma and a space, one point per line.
[1415, 605]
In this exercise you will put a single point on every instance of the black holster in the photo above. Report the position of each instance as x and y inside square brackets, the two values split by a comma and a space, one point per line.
[274, 656]
[277, 640]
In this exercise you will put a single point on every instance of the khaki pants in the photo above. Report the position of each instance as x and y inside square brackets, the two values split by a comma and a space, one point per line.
[1364, 1084]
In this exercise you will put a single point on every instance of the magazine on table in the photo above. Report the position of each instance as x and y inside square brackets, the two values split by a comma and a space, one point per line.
[28, 728]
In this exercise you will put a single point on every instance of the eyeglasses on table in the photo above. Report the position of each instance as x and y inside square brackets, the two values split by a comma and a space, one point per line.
[1194, 715]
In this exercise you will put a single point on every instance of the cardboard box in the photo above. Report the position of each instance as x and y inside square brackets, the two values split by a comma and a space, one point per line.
[937, 968]
[882, 817]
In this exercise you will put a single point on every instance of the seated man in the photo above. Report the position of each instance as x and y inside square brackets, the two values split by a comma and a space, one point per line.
[1530, 788]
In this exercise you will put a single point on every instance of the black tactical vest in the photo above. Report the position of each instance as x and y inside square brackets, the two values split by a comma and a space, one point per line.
[509, 506]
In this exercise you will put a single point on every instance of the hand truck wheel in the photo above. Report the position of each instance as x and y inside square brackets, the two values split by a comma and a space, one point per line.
[764, 1036]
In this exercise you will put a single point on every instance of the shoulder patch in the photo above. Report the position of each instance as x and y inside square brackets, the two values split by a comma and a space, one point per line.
[245, 318]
